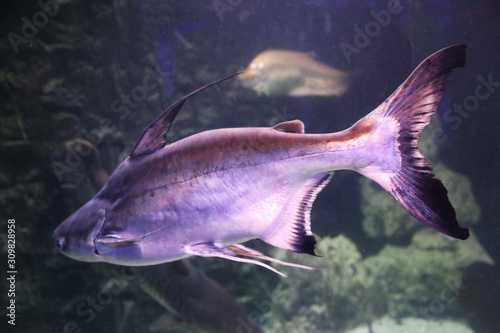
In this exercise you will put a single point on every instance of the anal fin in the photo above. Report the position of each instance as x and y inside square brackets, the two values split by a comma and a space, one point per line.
[294, 231]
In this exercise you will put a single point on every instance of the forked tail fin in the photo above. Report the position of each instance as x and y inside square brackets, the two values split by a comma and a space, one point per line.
[410, 107]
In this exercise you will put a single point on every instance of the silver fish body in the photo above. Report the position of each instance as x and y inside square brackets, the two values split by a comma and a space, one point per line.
[227, 185]
[207, 193]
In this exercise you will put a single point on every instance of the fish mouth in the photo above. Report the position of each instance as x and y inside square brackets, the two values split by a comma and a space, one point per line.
[79, 245]
[249, 82]
[246, 75]
[62, 245]
[59, 241]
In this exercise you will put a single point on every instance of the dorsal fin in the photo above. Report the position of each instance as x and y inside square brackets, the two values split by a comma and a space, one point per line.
[292, 126]
[155, 136]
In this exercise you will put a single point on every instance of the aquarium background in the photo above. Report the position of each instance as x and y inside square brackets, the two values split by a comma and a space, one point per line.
[74, 101]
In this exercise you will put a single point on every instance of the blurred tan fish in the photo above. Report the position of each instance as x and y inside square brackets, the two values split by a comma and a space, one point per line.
[282, 72]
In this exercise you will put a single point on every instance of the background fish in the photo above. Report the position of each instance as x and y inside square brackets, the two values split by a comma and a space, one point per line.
[207, 193]
[282, 72]
[193, 297]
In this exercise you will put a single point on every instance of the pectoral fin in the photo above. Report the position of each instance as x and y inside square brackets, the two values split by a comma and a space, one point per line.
[230, 252]
[117, 242]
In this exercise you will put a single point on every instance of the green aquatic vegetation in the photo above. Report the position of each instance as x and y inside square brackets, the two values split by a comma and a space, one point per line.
[383, 217]
[347, 293]
[425, 273]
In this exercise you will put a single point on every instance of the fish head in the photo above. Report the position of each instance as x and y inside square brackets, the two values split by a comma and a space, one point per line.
[257, 71]
[76, 236]
[253, 70]
[274, 72]
[252, 76]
